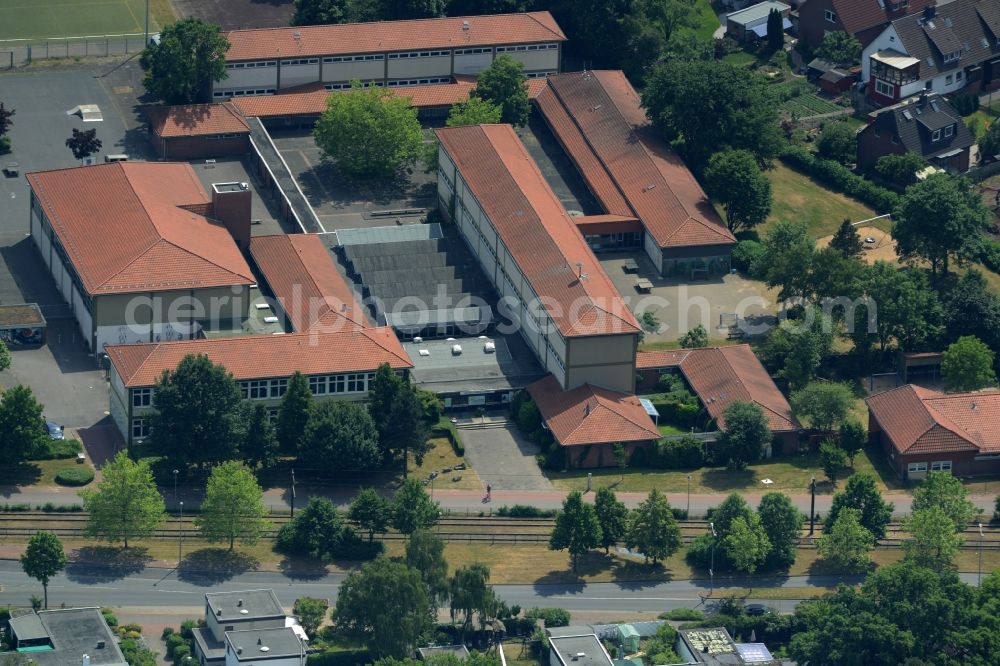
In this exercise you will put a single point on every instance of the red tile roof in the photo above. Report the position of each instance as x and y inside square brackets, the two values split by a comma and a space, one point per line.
[196, 120]
[385, 36]
[859, 15]
[720, 376]
[599, 225]
[265, 356]
[537, 231]
[302, 276]
[918, 420]
[591, 415]
[125, 228]
[602, 126]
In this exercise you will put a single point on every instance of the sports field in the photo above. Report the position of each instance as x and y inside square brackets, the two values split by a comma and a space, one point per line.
[40, 19]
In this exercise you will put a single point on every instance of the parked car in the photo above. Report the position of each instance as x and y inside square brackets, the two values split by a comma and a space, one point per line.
[54, 429]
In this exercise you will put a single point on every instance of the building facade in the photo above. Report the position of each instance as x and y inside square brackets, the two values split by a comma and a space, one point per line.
[864, 19]
[198, 131]
[388, 53]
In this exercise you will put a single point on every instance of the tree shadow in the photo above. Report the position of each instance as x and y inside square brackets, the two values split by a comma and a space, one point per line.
[640, 575]
[728, 480]
[822, 567]
[105, 564]
[211, 566]
[21, 474]
[302, 568]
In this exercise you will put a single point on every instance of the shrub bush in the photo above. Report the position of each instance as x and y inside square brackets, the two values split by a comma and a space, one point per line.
[166, 633]
[173, 642]
[15, 508]
[684, 453]
[450, 433]
[4, 145]
[683, 615]
[525, 511]
[966, 105]
[74, 476]
[746, 257]
[840, 178]
[181, 652]
[989, 255]
[58, 449]
[554, 617]
[188, 625]
[109, 617]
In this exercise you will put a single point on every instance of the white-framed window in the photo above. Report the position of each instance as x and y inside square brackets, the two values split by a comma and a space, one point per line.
[526, 47]
[949, 130]
[396, 83]
[142, 397]
[251, 65]
[916, 467]
[884, 88]
[338, 384]
[941, 466]
[936, 135]
[537, 75]
[254, 389]
[472, 51]
[272, 414]
[243, 93]
[300, 61]
[278, 387]
[418, 54]
[948, 80]
[357, 58]
[140, 428]
[953, 56]
[830, 15]
[346, 85]
[317, 385]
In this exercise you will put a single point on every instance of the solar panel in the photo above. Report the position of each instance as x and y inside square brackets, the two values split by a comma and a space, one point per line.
[754, 653]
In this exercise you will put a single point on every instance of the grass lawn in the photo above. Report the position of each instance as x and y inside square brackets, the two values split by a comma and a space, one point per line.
[21, 19]
[668, 430]
[708, 22]
[438, 458]
[791, 474]
[798, 198]
[35, 473]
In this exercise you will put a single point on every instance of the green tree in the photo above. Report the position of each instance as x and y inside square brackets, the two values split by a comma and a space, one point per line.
[775, 30]
[425, 553]
[939, 218]
[823, 405]
[837, 142]
[398, 10]
[369, 132]
[43, 558]
[384, 594]
[317, 531]
[833, 459]
[196, 417]
[967, 365]
[22, 435]
[126, 504]
[340, 436]
[839, 47]
[908, 311]
[83, 143]
[233, 507]
[861, 493]
[310, 612]
[472, 595]
[474, 111]
[191, 55]
[933, 540]
[319, 12]
[989, 143]
[5, 119]
[652, 528]
[847, 242]
[504, 84]
[612, 516]
[848, 543]
[398, 415]
[412, 508]
[711, 106]
[696, 338]
[831, 276]
[973, 308]
[660, 647]
[747, 545]
[901, 169]
[782, 523]
[852, 438]
[745, 434]
[734, 179]
[259, 445]
[621, 457]
[371, 512]
[797, 347]
[941, 490]
[787, 258]
[4, 352]
[577, 528]
[293, 413]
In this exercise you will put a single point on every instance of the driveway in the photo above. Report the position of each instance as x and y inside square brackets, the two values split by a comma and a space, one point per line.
[503, 458]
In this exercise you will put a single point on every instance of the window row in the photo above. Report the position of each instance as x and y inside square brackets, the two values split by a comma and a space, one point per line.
[537, 75]
[473, 51]
[527, 47]
[261, 389]
[331, 384]
[418, 54]
[883, 88]
[949, 78]
[300, 61]
[346, 85]
[948, 131]
[251, 65]
[243, 93]
[395, 83]
[357, 58]
[935, 466]
[229, 135]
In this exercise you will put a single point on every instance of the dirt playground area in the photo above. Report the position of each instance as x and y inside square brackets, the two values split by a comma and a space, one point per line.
[879, 244]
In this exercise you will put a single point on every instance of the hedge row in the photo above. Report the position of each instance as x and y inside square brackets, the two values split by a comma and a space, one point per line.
[841, 178]
[74, 476]
[450, 433]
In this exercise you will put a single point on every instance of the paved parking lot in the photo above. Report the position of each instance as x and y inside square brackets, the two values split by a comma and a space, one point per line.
[681, 306]
[504, 459]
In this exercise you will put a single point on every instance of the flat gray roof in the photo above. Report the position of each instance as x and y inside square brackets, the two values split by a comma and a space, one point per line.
[757, 12]
[256, 603]
[211, 648]
[510, 366]
[387, 234]
[75, 632]
[259, 644]
[580, 650]
[28, 627]
[459, 651]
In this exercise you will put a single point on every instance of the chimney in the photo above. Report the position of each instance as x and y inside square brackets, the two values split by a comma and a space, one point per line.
[231, 206]
[930, 11]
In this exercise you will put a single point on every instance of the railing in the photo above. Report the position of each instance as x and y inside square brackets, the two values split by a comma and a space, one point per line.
[20, 52]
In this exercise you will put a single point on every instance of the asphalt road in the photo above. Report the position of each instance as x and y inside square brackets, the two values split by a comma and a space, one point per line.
[160, 588]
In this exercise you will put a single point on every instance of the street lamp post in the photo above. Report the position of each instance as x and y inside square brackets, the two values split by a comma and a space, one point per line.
[180, 535]
[979, 577]
[146, 43]
[688, 516]
[711, 568]
[812, 507]
[176, 472]
[293, 493]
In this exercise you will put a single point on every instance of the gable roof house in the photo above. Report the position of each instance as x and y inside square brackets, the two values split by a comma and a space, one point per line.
[921, 430]
[945, 49]
[864, 19]
[925, 125]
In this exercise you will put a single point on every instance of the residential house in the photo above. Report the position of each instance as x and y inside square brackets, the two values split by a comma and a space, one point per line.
[238, 624]
[720, 376]
[140, 252]
[925, 125]
[274, 647]
[715, 647]
[750, 24]
[945, 49]
[65, 637]
[569, 648]
[864, 19]
[386, 53]
[198, 131]
[922, 431]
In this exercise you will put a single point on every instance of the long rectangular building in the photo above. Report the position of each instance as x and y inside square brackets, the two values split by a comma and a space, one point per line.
[387, 53]
[553, 289]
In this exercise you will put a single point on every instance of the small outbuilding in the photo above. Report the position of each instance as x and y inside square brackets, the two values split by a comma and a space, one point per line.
[22, 325]
[751, 23]
[628, 638]
[198, 131]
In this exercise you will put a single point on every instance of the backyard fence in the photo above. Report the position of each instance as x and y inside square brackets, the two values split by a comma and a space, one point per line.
[21, 52]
